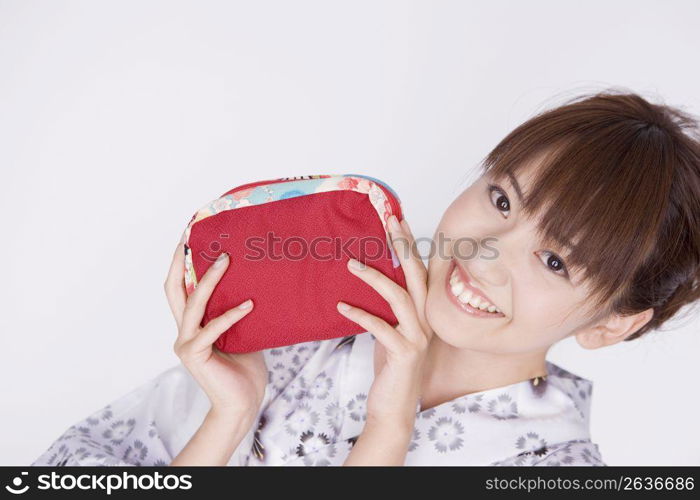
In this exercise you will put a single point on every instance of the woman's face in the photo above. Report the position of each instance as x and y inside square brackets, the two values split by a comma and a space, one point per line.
[495, 253]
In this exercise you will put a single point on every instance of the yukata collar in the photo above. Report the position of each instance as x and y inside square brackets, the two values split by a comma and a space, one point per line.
[561, 397]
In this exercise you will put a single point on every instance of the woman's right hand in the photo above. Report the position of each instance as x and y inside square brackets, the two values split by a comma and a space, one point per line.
[234, 383]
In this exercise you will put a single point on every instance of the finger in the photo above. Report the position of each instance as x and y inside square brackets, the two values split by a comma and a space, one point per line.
[414, 269]
[407, 252]
[214, 328]
[385, 333]
[412, 264]
[197, 301]
[175, 284]
[399, 300]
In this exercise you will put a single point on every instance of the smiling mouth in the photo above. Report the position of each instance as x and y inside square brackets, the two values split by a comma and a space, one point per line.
[467, 297]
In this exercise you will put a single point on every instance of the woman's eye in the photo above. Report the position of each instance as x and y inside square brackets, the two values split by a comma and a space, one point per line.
[554, 263]
[499, 199]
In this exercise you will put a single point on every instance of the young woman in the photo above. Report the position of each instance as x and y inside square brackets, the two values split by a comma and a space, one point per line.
[586, 223]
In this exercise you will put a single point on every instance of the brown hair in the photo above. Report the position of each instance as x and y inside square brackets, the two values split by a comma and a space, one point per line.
[620, 186]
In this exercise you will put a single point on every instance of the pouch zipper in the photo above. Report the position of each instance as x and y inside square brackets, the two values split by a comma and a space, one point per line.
[393, 200]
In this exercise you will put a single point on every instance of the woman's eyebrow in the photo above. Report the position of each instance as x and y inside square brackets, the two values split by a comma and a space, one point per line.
[564, 247]
[516, 186]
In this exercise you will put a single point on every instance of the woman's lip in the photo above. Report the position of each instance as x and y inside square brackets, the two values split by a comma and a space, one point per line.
[465, 279]
[474, 311]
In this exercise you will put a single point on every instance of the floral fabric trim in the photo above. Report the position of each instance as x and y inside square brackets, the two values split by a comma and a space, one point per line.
[285, 188]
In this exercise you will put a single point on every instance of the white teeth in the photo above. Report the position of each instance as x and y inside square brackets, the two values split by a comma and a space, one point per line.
[465, 296]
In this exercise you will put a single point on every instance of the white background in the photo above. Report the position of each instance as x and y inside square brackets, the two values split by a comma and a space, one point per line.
[119, 119]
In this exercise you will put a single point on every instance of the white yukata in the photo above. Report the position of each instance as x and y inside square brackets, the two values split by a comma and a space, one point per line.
[314, 410]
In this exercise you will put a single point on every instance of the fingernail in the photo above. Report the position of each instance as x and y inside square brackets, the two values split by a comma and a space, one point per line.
[394, 223]
[357, 265]
[342, 306]
[246, 305]
[220, 260]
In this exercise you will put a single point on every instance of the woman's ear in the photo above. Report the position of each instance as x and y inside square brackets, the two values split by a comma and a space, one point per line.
[612, 329]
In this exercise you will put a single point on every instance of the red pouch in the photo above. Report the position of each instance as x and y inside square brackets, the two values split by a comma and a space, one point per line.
[289, 241]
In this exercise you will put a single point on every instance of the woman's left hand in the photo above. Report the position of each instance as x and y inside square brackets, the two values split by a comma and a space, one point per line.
[396, 389]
